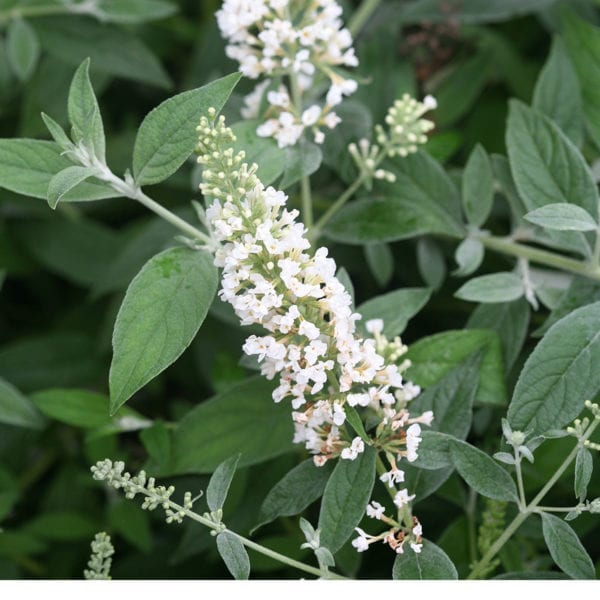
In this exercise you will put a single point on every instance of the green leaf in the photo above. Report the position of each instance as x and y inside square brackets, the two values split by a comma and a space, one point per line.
[434, 356]
[52, 359]
[167, 135]
[9, 492]
[80, 408]
[79, 251]
[57, 132]
[471, 11]
[431, 262]
[458, 91]
[558, 92]
[422, 200]
[238, 418]
[562, 217]
[218, 486]
[434, 451]
[17, 409]
[132, 523]
[353, 419]
[478, 186]
[510, 320]
[299, 488]
[584, 466]
[395, 308]
[234, 554]
[380, 260]
[582, 40]
[451, 398]
[22, 48]
[566, 549]
[262, 151]
[497, 287]
[112, 50]
[27, 166]
[64, 181]
[133, 11]
[62, 526]
[431, 563]
[300, 161]
[548, 168]
[346, 496]
[469, 255]
[481, 472]
[559, 374]
[84, 113]
[161, 313]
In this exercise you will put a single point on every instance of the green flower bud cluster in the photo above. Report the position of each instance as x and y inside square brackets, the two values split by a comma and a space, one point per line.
[100, 561]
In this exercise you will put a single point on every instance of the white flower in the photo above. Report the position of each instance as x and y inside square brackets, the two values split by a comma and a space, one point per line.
[392, 477]
[417, 530]
[374, 326]
[416, 547]
[263, 40]
[311, 115]
[412, 442]
[375, 510]
[402, 498]
[361, 543]
[354, 450]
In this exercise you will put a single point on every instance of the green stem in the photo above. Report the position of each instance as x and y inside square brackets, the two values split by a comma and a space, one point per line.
[307, 210]
[35, 11]
[470, 512]
[544, 257]
[253, 545]
[381, 469]
[532, 507]
[557, 509]
[128, 190]
[362, 15]
[519, 474]
[170, 217]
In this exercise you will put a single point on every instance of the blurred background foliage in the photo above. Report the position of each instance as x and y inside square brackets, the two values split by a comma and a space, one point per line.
[63, 274]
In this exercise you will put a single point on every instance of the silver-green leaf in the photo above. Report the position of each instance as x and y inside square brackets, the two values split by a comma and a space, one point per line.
[431, 563]
[584, 466]
[167, 135]
[497, 287]
[560, 374]
[481, 472]
[22, 48]
[162, 311]
[234, 554]
[218, 486]
[84, 113]
[478, 187]
[64, 181]
[566, 549]
[562, 217]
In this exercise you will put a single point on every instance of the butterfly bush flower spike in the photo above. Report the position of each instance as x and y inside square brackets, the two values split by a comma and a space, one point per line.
[302, 48]
[311, 343]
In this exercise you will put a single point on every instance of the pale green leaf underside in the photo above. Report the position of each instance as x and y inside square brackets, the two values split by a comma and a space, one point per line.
[431, 563]
[234, 555]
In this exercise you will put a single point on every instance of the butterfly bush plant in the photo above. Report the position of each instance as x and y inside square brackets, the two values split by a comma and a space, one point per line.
[336, 171]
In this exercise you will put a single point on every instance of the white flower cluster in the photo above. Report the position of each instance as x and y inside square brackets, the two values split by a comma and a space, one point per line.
[303, 40]
[270, 279]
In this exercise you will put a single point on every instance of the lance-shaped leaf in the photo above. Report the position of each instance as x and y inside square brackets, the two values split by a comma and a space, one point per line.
[562, 217]
[566, 549]
[167, 136]
[431, 563]
[234, 554]
[218, 486]
[346, 496]
[64, 181]
[162, 311]
[560, 374]
[84, 113]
